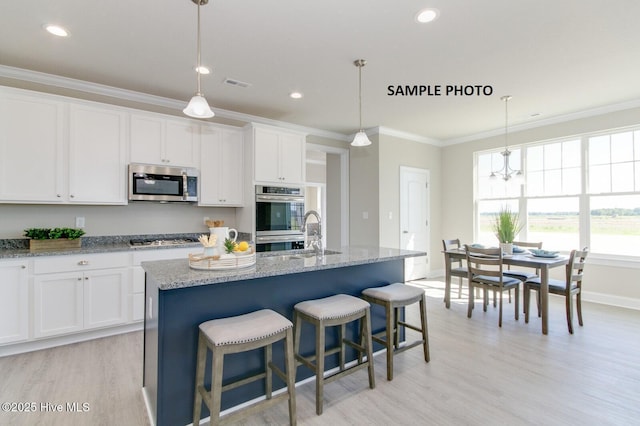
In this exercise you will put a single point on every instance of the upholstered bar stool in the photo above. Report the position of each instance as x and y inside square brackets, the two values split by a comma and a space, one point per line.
[240, 334]
[337, 310]
[393, 297]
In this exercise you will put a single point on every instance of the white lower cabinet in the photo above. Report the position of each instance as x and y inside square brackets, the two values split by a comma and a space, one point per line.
[92, 293]
[14, 301]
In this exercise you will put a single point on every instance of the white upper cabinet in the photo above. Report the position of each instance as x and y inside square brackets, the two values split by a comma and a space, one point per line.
[221, 167]
[97, 155]
[31, 147]
[278, 155]
[53, 150]
[159, 140]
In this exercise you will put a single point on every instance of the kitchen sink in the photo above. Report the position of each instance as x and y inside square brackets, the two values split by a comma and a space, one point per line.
[296, 256]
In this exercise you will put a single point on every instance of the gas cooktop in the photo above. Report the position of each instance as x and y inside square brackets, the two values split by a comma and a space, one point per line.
[168, 242]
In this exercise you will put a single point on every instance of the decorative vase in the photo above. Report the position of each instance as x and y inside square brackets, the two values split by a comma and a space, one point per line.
[507, 248]
[210, 251]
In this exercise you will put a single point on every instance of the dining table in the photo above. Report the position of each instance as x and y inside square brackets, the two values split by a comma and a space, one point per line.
[526, 259]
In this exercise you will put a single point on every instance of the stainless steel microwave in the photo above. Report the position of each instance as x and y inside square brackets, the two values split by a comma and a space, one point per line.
[149, 182]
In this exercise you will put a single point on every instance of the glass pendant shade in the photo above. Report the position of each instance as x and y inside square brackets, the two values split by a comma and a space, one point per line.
[198, 107]
[361, 139]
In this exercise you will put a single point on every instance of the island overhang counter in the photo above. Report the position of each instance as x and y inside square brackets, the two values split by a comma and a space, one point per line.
[179, 298]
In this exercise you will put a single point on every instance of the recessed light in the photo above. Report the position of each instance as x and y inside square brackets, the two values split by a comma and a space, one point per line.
[427, 15]
[295, 95]
[203, 70]
[56, 30]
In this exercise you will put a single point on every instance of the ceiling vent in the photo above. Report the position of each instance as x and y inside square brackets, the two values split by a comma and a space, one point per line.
[237, 83]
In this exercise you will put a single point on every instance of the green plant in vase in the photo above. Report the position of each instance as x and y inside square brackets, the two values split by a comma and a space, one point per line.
[507, 225]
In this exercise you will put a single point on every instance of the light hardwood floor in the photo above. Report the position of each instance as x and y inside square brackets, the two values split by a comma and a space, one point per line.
[478, 374]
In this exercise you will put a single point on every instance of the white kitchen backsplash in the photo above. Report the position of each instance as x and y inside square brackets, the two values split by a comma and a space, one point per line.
[135, 218]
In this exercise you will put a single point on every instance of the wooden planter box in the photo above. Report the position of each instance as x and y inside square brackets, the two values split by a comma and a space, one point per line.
[58, 244]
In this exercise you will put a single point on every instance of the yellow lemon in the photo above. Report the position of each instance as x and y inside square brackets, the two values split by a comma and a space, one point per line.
[243, 246]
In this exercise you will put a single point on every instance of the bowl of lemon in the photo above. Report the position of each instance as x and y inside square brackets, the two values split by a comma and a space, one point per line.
[242, 248]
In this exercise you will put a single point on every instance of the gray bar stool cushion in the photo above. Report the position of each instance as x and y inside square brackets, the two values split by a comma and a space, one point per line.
[332, 307]
[397, 292]
[245, 328]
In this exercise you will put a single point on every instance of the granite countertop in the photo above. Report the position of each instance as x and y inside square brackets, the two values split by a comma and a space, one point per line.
[176, 273]
[19, 247]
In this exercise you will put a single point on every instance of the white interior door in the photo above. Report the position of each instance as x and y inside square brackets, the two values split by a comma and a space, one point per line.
[414, 219]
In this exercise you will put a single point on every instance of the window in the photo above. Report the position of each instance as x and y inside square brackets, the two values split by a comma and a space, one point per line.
[583, 191]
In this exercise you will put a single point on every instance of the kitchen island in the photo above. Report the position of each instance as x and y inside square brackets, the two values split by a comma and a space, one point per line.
[179, 298]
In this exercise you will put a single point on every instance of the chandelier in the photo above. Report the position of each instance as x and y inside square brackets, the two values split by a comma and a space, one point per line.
[506, 173]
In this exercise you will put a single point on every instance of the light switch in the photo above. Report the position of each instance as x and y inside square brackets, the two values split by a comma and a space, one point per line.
[79, 222]
[365, 215]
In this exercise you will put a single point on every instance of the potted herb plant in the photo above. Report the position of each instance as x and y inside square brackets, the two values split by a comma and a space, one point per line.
[53, 238]
[507, 225]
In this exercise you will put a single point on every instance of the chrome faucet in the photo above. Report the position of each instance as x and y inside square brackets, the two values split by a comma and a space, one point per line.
[316, 243]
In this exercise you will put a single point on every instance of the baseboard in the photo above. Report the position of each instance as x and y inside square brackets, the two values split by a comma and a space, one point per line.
[35, 345]
[611, 300]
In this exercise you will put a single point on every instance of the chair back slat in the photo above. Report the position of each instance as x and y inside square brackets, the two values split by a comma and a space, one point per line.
[450, 245]
[575, 268]
[484, 261]
[528, 244]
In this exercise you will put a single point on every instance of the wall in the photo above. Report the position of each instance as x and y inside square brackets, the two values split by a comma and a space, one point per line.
[135, 218]
[605, 280]
[396, 152]
[364, 194]
[334, 203]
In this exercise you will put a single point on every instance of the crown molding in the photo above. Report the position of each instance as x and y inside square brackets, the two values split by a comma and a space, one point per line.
[547, 121]
[381, 130]
[131, 95]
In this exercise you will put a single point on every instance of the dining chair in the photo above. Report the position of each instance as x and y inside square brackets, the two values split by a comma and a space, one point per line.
[486, 272]
[523, 275]
[571, 285]
[457, 268]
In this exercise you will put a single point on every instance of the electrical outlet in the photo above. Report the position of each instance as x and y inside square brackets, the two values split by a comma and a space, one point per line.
[79, 221]
[365, 215]
[205, 219]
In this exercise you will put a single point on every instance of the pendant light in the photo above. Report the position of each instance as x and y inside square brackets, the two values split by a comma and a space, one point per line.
[198, 106]
[361, 138]
[506, 173]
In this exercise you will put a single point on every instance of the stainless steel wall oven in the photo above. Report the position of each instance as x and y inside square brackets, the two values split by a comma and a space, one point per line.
[279, 216]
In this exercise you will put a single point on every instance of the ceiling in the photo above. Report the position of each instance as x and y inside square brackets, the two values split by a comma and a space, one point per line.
[556, 58]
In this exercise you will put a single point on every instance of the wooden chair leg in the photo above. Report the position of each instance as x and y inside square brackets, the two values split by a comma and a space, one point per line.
[470, 303]
[290, 366]
[268, 382]
[579, 307]
[320, 342]
[369, 348]
[390, 338]
[200, 366]
[459, 287]
[526, 293]
[500, 313]
[569, 307]
[217, 362]
[425, 329]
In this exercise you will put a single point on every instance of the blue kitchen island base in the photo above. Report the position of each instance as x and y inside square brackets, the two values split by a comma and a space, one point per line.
[172, 317]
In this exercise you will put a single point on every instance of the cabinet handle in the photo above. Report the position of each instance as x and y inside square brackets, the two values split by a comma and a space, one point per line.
[86, 278]
[71, 195]
[58, 195]
[79, 278]
[23, 267]
[83, 262]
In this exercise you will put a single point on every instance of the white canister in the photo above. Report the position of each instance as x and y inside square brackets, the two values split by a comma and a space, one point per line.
[223, 232]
